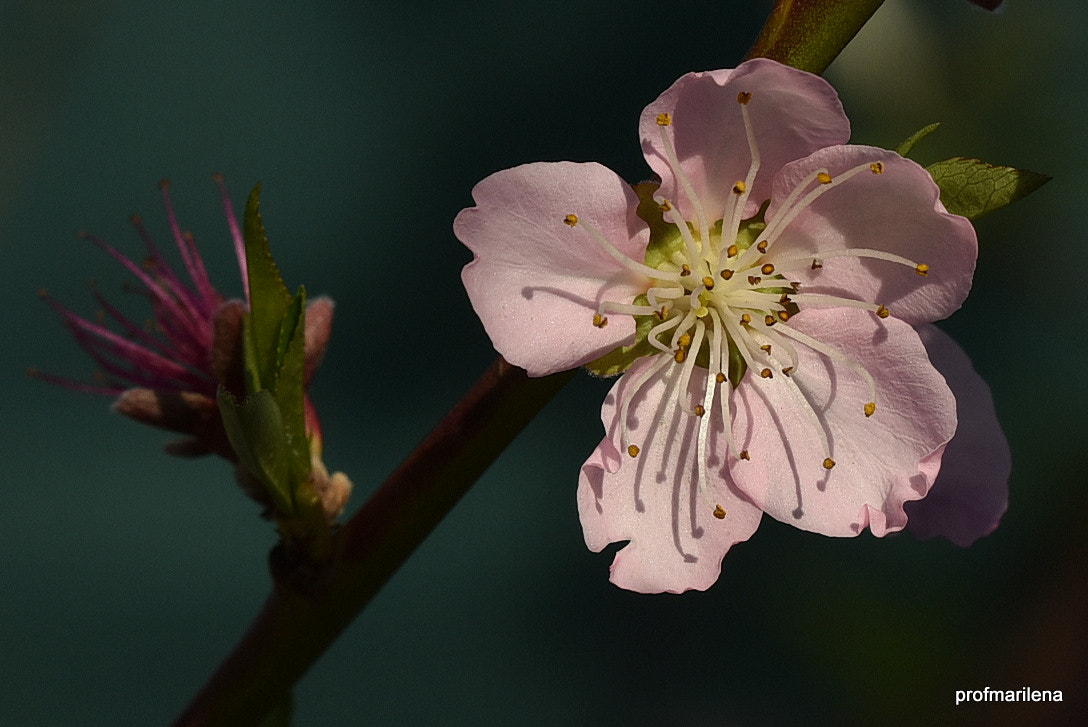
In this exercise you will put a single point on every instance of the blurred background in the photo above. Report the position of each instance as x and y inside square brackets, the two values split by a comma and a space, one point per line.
[127, 575]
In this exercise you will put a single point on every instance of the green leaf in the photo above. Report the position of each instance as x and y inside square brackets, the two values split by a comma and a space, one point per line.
[972, 188]
[290, 387]
[268, 302]
[904, 148]
[809, 34]
[268, 427]
[256, 432]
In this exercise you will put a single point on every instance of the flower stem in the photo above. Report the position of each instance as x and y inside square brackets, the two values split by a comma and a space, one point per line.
[309, 606]
[809, 34]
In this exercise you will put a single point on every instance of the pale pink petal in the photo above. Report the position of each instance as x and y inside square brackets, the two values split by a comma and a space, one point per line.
[536, 282]
[653, 500]
[880, 461]
[972, 490]
[899, 212]
[793, 114]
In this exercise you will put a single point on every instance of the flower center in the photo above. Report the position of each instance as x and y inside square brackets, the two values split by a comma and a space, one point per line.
[721, 297]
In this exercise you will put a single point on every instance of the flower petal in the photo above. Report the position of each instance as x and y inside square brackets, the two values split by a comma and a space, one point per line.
[536, 282]
[793, 114]
[897, 211]
[676, 543]
[880, 461]
[972, 489]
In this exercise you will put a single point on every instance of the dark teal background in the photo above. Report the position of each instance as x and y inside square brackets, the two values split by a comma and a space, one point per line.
[127, 575]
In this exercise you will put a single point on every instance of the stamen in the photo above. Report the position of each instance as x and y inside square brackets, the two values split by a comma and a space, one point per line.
[833, 354]
[626, 309]
[789, 211]
[689, 364]
[797, 262]
[726, 274]
[661, 328]
[870, 408]
[708, 282]
[767, 269]
[632, 265]
[599, 321]
[741, 189]
[682, 226]
[570, 220]
[625, 406]
[719, 512]
[682, 178]
[828, 463]
[877, 167]
[719, 347]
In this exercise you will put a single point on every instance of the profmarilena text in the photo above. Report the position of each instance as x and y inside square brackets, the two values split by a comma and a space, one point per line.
[1024, 694]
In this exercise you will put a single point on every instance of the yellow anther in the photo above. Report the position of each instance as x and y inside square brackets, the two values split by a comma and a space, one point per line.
[739, 187]
[726, 274]
[699, 410]
[754, 280]
[744, 455]
[766, 348]
[659, 314]
[744, 97]
[922, 269]
[784, 299]
[708, 282]
[783, 315]
[680, 356]
[767, 374]
[823, 178]
[762, 246]
[829, 463]
[633, 450]
[664, 119]
[883, 312]
[870, 408]
[877, 167]
[719, 512]
[685, 340]
[769, 319]
[665, 206]
[685, 269]
[816, 265]
[767, 269]
[788, 370]
[745, 319]
[599, 321]
[720, 378]
[732, 251]
[570, 220]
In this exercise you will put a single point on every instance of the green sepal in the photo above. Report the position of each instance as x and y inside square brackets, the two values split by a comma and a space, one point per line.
[973, 188]
[904, 149]
[256, 432]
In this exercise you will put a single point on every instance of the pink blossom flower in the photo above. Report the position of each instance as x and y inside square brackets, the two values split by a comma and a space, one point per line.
[762, 301]
[166, 372]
